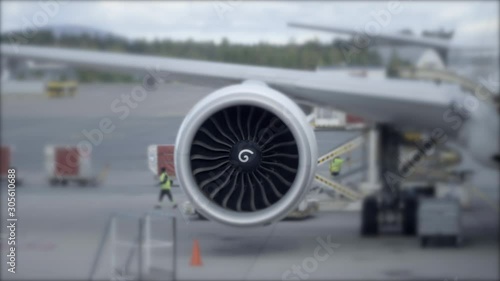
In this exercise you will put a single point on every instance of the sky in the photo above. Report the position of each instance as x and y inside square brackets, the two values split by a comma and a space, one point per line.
[476, 23]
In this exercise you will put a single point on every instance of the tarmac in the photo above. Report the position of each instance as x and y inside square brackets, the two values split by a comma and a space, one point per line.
[59, 229]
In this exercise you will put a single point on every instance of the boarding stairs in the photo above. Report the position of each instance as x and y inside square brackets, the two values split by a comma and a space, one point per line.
[343, 190]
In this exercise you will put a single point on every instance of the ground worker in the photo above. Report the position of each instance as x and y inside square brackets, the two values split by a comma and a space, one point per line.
[165, 185]
[336, 166]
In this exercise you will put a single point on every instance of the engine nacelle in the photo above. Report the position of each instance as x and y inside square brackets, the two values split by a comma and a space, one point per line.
[245, 155]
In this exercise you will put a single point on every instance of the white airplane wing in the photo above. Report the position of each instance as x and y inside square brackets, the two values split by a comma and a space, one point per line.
[406, 103]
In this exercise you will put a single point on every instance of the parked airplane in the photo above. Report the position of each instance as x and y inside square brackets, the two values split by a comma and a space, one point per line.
[245, 154]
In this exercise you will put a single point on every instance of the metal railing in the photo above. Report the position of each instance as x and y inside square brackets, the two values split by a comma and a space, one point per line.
[139, 247]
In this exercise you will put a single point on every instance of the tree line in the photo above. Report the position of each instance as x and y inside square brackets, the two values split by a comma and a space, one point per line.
[308, 55]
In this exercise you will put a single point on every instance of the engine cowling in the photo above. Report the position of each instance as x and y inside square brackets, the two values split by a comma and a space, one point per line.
[245, 155]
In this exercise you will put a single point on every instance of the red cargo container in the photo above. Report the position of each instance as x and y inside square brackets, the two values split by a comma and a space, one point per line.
[65, 163]
[166, 159]
[161, 155]
[5, 160]
[352, 119]
[354, 122]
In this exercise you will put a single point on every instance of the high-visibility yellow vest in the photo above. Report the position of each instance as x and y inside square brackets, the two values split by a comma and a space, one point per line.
[336, 165]
[167, 184]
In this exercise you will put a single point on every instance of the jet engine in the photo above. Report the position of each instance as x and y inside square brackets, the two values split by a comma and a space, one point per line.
[245, 155]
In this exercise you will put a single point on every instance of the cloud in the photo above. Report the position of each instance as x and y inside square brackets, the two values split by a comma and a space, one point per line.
[480, 27]
[251, 22]
[459, 10]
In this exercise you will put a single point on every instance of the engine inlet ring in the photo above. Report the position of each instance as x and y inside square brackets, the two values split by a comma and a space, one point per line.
[245, 155]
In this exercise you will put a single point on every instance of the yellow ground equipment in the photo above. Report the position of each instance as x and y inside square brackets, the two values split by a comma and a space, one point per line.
[57, 89]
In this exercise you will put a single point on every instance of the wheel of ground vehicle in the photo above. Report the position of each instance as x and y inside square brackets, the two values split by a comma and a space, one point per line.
[369, 217]
[410, 215]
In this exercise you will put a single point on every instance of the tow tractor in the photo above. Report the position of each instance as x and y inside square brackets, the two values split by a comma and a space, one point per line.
[58, 89]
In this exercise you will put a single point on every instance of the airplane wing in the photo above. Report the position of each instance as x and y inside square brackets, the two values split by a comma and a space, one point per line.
[395, 102]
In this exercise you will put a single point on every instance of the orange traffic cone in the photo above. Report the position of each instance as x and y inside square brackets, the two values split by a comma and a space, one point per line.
[196, 256]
